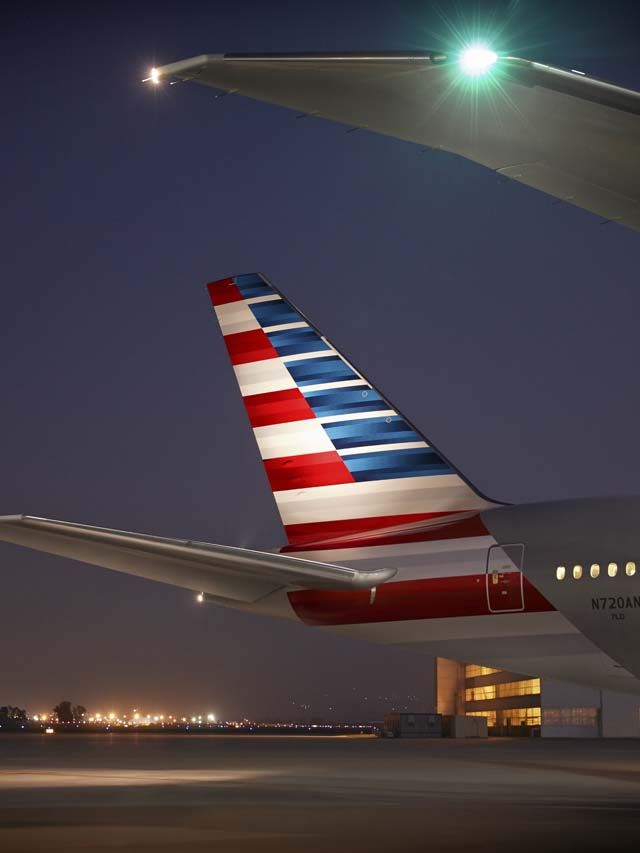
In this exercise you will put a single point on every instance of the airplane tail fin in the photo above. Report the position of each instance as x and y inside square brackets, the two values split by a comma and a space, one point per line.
[342, 462]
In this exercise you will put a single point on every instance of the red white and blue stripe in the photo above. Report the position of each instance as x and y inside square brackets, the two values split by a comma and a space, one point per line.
[340, 460]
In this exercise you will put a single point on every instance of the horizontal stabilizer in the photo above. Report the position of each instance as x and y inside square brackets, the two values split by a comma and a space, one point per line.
[221, 571]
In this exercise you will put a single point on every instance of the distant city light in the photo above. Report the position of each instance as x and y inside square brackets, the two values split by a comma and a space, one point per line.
[477, 60]
[137, 721]
[140, 720]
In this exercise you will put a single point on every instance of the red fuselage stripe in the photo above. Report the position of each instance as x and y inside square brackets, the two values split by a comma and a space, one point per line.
[381, 530]
[428, 598]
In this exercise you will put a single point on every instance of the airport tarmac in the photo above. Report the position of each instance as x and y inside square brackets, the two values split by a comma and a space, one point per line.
[137, 792]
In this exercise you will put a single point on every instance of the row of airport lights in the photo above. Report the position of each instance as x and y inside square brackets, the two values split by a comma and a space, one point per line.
[134, 719]
[137, 719]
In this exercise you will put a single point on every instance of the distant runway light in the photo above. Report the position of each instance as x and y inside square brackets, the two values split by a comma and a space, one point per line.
[477, 60]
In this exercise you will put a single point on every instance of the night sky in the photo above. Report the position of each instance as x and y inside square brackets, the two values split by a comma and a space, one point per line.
[504, 324]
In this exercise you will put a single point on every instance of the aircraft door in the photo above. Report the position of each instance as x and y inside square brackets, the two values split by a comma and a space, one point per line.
[504, 578]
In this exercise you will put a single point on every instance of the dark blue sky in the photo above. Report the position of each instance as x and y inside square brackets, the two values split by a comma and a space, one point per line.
[503, 324]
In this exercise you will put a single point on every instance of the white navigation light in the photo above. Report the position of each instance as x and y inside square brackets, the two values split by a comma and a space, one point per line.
[477, 60]
[154, 77]
[200, 597]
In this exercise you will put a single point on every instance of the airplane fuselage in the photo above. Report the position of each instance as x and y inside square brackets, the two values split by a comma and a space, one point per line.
[548, 589]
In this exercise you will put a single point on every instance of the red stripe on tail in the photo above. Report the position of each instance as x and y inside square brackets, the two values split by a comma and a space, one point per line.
[277, 407]
[383, 530]
[245, 347]
[224, 291]
[310, 469]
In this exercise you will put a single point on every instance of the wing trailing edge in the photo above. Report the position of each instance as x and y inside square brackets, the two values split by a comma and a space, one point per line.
[557, 130]
[219, 571]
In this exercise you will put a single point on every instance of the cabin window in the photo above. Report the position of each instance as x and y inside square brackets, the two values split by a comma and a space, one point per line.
[578, 571]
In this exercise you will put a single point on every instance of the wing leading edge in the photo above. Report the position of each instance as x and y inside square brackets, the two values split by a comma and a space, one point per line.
[562, 132]
[219, 571]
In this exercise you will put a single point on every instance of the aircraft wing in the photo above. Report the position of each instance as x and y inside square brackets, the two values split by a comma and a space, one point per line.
[572, 136]
[219, 571]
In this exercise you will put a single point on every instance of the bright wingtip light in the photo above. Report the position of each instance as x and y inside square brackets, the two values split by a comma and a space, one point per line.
[154, 77]
[477, 60]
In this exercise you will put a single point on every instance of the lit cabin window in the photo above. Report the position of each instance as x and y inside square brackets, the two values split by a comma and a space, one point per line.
[577, 572]
[630, 569]
[594, 571]
[560, 573]
[612, 570]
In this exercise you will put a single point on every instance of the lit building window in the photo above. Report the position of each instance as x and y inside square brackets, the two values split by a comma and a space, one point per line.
[480, 694]
[577, 572]
[510, 716]
[560, 573]
[490, 715]
[594, 571]
[519, 688]
[570, 717]
[612, 570]
[519, 717]
[499, 691]
[471, 670]
[630, 569]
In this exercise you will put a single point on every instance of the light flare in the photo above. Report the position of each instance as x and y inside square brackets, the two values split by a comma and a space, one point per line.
[477, 60]
[154, 77]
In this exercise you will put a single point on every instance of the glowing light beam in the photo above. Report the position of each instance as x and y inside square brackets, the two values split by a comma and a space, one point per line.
[477, 60]
[154, 77]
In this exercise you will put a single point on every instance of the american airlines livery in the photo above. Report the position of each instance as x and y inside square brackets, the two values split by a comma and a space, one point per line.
[386, 539]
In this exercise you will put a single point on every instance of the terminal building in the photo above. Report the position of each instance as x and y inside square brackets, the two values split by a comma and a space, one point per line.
[518, 705]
